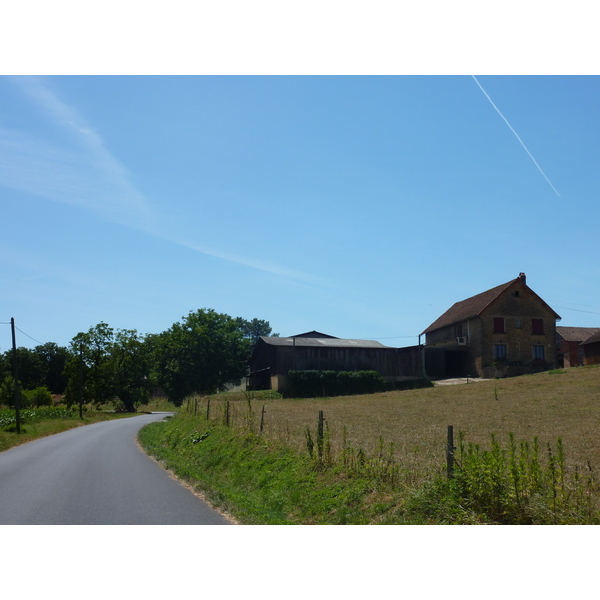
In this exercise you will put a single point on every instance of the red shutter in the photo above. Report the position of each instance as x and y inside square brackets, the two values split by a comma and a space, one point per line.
[537, 326]
[498, 324]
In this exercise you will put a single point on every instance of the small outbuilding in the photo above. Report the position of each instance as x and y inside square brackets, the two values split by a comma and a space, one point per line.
[570, 349]
[591, 350]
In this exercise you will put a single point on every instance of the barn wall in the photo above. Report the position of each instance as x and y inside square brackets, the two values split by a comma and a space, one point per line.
[591, 354]
[270, 363]
[390, 362]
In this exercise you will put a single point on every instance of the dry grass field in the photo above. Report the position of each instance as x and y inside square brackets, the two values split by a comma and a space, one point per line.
[562, 405]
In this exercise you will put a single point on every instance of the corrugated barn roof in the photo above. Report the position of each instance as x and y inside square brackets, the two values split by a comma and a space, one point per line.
[322, 342]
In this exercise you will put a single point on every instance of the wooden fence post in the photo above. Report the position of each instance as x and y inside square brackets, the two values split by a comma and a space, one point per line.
[450, 452]
[262, 419]
[320, 435]
[227, 413]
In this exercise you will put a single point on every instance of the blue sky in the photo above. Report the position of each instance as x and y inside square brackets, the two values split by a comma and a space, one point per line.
[360, 206]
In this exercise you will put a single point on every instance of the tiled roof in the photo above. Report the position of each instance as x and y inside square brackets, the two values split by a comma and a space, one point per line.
[577, 334]
[322, 342]
[471, 307]
[466, 309]
[593, 339]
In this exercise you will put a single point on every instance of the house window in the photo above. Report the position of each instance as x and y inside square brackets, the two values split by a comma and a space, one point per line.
[458, 330]
[499, 325]
[499, 351]
[538, 352]
[518, 323]
[517, 294]
[537, 326]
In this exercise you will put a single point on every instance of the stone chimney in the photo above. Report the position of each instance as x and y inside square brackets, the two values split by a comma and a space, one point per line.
[523, 278]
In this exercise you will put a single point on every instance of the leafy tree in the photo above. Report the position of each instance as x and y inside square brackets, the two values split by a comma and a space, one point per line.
[40, 367]
[7, 392]
[31, 368]
[130, 362]
[5, 366]
[254, 329]
[53, 359]
[109, 366]
[88, 364]
[201, 354]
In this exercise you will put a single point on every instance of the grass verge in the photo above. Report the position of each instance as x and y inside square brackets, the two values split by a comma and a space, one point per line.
[262, 481]
[258, 481]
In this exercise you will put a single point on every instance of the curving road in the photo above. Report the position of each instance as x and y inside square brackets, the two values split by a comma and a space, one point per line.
[95, 475]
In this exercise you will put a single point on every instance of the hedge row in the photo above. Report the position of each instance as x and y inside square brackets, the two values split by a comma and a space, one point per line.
[312, 384]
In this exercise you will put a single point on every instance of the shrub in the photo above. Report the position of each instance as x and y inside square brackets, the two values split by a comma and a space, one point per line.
[120, 406]
[40, 396]
[514, 486]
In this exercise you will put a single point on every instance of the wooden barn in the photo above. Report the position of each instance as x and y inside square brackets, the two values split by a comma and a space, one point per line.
[273, 357]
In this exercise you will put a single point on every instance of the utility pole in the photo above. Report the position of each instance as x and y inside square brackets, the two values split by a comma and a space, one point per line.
[80, 380]
[16, 375]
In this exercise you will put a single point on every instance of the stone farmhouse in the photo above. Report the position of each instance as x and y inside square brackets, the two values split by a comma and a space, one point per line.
[507, 330]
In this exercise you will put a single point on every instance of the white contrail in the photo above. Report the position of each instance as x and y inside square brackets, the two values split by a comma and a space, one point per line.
[517, 136]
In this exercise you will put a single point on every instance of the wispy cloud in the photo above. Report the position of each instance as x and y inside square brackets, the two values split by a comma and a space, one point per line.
[80, 171]
[77, 170]
[252, 263]
[517, 136]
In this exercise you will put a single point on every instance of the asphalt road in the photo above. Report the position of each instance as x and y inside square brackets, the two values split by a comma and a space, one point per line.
[95, 475]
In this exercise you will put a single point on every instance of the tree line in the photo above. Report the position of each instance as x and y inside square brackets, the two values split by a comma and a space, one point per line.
[202, 353]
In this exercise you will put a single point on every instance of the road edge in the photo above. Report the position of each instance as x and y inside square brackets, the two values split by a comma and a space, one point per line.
[232, 520]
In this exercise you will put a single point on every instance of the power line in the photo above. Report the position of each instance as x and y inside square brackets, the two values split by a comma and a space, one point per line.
[26, 334]
[38, 341]
[572, 303]
[591, 312]
[396, 337]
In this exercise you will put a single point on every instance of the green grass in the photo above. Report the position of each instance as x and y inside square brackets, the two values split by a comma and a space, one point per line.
[380, 459]
[158, 405]
[256, 481]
